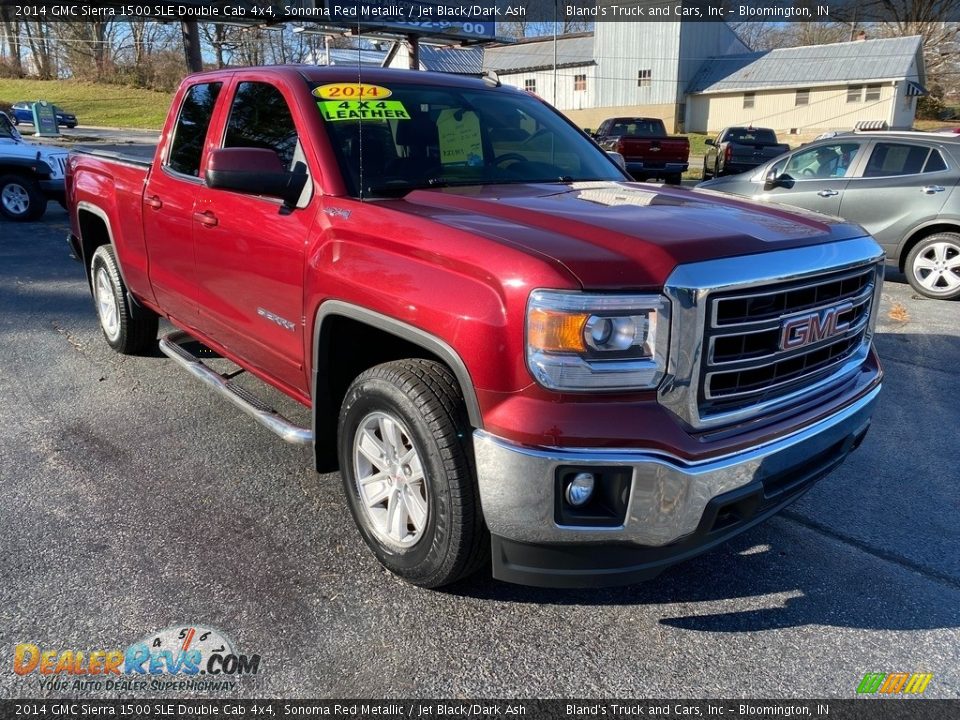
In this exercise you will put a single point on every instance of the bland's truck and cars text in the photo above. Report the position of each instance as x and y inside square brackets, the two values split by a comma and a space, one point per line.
[507, 346]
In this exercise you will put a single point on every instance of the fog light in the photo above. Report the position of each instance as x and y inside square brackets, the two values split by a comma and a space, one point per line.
[580, 489]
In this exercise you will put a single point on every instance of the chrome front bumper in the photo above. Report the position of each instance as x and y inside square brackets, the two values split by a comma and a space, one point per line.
[668, 498]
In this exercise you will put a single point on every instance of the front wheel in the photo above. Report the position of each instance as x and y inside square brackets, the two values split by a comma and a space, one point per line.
[933, 266]
[706, 173]
[128, 328]
[406, 464]
[21, 198]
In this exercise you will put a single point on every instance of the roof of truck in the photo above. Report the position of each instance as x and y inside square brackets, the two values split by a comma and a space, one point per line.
[314, 73]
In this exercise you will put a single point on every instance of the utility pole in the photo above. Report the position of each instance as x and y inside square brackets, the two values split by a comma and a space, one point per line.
[191, 45]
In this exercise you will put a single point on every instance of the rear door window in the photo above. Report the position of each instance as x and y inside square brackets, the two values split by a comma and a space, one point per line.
[891, 159]
[191, 130]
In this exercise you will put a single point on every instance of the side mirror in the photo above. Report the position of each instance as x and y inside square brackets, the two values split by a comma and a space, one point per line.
[618, 159]
[710, 141]
[588, 131]
[254, 171]
[773, 180]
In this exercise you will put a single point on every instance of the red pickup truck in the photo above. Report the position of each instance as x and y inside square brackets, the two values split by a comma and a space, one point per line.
[507, 347]
[646, 148]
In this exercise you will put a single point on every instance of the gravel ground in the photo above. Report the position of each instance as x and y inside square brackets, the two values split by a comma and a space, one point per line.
[134, 500]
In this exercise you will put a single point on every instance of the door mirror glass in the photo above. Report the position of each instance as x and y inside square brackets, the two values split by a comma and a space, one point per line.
[255, 171]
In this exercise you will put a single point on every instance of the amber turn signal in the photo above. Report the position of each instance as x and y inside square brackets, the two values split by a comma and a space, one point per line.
[552, 331]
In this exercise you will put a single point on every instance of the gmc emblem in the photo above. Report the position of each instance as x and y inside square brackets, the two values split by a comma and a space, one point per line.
[802, 330]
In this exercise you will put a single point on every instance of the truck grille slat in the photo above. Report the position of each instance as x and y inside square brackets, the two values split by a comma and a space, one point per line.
[749, 354]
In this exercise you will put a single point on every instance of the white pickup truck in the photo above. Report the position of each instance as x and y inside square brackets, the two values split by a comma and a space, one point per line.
[30, 174]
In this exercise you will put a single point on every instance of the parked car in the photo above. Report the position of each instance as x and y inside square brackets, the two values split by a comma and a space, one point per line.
[506, 346]
[900, 186]
[67, 119]
[739, 149]
[30, 175]
[23, 113]
[646, 148]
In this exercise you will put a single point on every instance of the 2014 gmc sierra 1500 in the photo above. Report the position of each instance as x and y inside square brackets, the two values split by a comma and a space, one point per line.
[505, 344]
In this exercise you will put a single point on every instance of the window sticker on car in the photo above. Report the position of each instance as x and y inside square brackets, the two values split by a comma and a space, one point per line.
[459, 138]
[334, 110]
[351, 91]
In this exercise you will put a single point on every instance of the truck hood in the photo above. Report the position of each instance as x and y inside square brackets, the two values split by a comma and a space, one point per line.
[618, 234]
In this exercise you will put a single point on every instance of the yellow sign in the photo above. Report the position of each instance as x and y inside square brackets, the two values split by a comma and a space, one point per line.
[334, 111]
[459, 138]
[352, 91]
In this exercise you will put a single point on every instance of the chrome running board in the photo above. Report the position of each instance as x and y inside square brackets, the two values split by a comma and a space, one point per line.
[241, 397]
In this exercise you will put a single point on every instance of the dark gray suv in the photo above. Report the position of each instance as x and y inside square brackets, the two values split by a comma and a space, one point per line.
[900, 186]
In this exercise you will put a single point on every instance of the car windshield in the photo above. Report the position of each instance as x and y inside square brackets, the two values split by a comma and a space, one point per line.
[6, 129]
[392, 140]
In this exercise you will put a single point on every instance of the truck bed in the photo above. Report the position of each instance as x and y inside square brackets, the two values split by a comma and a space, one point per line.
[130, 154]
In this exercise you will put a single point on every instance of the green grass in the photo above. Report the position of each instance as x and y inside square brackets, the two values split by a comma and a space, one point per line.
[94, 104]
[698, 143]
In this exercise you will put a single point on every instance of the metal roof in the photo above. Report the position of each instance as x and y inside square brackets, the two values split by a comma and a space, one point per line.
[352, 56]
[464, 61]
[812, 65]
[538, 54]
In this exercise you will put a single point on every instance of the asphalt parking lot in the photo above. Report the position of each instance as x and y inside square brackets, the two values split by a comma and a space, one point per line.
[133, 500]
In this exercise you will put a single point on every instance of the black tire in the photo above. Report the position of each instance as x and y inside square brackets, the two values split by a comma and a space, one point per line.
[928, 266]
[135, 327]
[674, 179]
[426, 400]
[21, 199]
[706, 175]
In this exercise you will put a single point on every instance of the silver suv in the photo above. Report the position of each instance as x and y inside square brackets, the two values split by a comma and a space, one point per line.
[900, 186]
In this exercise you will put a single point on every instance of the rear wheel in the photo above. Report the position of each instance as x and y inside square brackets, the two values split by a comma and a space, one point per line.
[406, 464]
[674, 179]
[21, 198]
[128, 328]
[933, 266]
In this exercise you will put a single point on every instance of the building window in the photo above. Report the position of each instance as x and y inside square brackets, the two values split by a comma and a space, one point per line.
[873, 93]
[530, 85]
[802, 97]
[579, 83]
[855, 93]
[644, 78]
[748, 99]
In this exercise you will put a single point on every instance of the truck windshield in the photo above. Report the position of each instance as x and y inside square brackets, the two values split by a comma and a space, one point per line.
[392, 140]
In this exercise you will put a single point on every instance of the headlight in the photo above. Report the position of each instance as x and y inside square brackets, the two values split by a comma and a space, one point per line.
[579, 341]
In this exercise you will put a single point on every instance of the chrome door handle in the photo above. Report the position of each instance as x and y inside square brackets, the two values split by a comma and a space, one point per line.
[827, 193]
[931, 189]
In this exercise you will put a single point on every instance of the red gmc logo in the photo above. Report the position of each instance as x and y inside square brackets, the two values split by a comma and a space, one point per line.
[813, 327]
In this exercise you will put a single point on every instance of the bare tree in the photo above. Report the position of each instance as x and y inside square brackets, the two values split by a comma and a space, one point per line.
[11, 33]
[41, 49]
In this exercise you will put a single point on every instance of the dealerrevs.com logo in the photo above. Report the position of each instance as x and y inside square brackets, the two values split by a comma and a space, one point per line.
[188, 657]
[894, 683]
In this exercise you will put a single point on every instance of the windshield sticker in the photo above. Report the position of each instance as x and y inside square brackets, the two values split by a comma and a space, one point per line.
[381, 110]
[352, 91]
[459, 138]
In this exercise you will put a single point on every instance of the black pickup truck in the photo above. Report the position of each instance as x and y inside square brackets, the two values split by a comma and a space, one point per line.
[739, 149]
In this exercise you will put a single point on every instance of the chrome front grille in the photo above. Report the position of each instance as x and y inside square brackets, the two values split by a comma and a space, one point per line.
[762, 334]
[745, 361]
